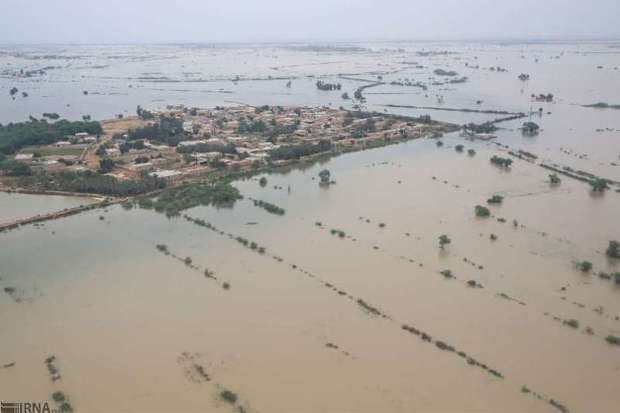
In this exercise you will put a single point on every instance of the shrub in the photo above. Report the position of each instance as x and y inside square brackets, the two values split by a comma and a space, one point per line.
[599, 185]
[444, 240]
[572, 323]
[229, 396]
[447, 273]
[584, 266]
[613, 340]
[459, 148]
[554, 179]
[482, 212]
[495, 199]
[503, 162]
[613, 251]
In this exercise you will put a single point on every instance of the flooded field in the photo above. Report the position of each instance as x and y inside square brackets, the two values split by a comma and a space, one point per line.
[14, 206]
[346, 302]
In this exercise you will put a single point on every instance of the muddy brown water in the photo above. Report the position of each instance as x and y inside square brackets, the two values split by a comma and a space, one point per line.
[118, 314]
[129, 325]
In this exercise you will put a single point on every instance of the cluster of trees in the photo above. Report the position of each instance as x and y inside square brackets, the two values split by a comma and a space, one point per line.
[174, 200]
[486, 127]
[168, 131]
[251, 126]
[442, 72]
[327, 86]
[325, 176]
[482, 212]
[613, 251]
[93, 183]
[144, 114]
[503, 162]
[269, 207]
[362, 129]
[297, 151]
[599, 185]
[15, 136]
[444, 240]
[554, 179]
[530, 128]
[271, 130]
[12, 167]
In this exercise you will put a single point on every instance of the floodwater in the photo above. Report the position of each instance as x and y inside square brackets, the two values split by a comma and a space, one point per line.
[15, 206]
[129, 325]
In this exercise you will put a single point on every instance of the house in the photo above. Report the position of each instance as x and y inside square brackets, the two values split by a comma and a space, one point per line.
[24, 156]
[167, 175]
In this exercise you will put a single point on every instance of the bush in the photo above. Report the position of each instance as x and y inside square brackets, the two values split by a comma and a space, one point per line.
[613, 340]
[613, 251]
[584, 266]
[495, 199]
[572, 323]
[447, 273]
[229, 396]
[554, 179]
[502, 162]
[444, 240]
[482, 212]
[15, 168]
[599, 185]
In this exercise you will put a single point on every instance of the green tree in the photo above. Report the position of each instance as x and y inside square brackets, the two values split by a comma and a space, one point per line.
[554, 179]
[613, 251]
[482, 212]
[106, 165]
[325, 176]
[444, 240]
[599, 185]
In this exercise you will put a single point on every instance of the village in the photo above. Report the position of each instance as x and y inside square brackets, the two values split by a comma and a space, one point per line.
[180, 143]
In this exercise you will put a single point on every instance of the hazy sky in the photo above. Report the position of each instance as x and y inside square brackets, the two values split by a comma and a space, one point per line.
[125, 21]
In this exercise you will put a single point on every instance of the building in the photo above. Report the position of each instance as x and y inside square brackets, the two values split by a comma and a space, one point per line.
[167, 175]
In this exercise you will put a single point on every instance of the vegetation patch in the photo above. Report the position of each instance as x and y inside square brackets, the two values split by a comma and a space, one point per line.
[501, 162]
[482, 212]
[269, 207]
[229, 396]
[174, 200]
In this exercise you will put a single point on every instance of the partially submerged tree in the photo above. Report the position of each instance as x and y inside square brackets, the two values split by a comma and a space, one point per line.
[584, 266]
[613, 251]
[325, 176]
[444, 240]
[482, 212]
[554, 179]
[599, 185]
